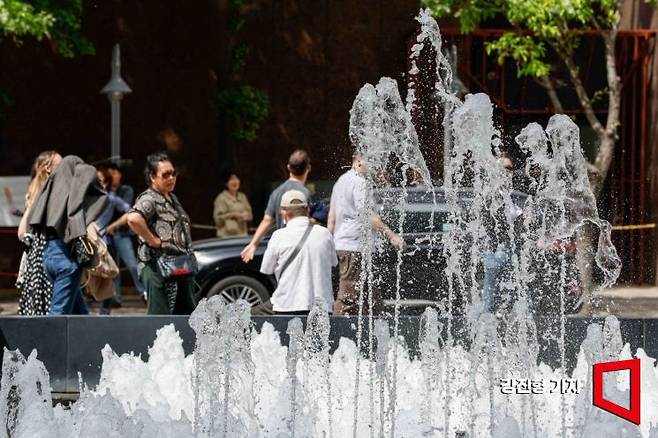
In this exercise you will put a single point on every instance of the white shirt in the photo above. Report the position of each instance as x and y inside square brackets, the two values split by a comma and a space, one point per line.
[308, 276]
[348, 199]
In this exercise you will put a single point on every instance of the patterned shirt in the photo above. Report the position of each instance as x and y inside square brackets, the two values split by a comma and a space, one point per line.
[167, 220]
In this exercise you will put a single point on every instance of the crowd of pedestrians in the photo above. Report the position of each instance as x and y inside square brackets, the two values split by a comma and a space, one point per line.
[66, 195]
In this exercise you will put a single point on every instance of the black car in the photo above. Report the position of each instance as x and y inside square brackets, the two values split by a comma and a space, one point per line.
[418, 272]
[422, 265]
[222, 271]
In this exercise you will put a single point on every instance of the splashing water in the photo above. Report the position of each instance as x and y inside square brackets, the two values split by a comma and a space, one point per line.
[484, 327]
[111, 410]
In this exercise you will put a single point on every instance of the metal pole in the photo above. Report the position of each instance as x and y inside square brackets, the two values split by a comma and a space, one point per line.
[116, 127]
[115, 89]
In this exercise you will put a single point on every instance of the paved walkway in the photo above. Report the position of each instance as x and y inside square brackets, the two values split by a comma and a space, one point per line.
[132, 304]
[626, 302]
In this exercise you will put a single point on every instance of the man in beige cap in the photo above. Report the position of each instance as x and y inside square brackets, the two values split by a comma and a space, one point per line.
[301, 256]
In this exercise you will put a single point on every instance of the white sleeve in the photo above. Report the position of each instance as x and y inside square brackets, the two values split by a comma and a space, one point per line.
[270, 257]
[360, 192]
[332, 250]
[334, 193]
[334, 257]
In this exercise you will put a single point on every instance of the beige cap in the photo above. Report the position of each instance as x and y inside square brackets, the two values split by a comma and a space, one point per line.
[293, 198]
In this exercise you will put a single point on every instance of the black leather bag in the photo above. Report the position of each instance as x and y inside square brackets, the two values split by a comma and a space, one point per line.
[177, 267]
[84, 252]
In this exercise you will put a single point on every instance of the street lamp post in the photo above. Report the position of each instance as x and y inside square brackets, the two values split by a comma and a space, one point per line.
[115, 89]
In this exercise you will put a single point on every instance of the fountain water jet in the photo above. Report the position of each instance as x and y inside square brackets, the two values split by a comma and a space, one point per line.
[243, 383]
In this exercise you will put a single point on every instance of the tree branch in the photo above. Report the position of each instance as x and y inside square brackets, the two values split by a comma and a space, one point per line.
[608, 138]
[585, 101]
[596, 23]
[548, 85]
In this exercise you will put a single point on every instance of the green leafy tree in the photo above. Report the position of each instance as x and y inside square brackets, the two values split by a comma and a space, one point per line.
[243, 106]
[57, 21]
[538, 26]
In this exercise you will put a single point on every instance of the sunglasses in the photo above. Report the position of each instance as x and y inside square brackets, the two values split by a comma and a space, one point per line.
[169, 174]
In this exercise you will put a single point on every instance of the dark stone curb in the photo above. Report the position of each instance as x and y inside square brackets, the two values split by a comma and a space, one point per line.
[71, 344]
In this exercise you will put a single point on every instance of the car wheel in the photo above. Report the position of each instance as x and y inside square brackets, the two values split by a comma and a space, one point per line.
[238, 287]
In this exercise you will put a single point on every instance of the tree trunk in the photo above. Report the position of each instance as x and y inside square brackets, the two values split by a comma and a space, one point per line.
[607, 138]
[548, 85]
[581, 92]
[585, 261]
[600, 169]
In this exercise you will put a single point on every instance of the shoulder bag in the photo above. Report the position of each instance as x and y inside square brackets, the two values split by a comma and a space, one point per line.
[98, 274]
[299, 246]
[177, 267]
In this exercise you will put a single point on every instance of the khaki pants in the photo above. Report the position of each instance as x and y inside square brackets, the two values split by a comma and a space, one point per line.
[349, 286]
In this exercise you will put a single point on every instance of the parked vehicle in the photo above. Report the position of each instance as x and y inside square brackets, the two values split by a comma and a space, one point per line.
[419, 271]
[421, 265]
[222, 271]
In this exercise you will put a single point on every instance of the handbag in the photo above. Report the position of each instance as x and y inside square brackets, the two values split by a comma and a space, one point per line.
[22, 271]
[97, 287]
[177, 267]
[99, 262]
[101, 267]
[84, 252]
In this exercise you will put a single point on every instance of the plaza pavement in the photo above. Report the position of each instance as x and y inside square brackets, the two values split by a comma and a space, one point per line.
[625, 302]
[628, 302]
[132, 304]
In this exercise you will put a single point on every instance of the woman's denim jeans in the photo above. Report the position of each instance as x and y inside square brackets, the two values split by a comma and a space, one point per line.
[126, 252]
[65, 275]
[494, 266]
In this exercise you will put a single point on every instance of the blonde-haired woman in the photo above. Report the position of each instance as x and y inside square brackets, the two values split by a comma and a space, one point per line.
[36, 289]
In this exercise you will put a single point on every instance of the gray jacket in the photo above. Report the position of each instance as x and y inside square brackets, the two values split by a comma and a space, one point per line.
[70, 200]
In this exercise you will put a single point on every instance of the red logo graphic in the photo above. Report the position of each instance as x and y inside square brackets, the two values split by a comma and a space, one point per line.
[633, 365]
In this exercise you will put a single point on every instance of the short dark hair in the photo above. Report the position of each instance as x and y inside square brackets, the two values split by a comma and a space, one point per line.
[298, 162]
[151, 167]
[113, 165]
[104, 170]
[226, 174]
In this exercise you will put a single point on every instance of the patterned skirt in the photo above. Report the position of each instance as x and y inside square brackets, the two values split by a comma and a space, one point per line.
[36, 289]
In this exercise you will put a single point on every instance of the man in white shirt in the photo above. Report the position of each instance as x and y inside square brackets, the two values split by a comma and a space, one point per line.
[301, 256]
[349, 221]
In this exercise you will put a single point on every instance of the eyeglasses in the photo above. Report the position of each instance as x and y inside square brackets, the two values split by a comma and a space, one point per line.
[168, 174]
